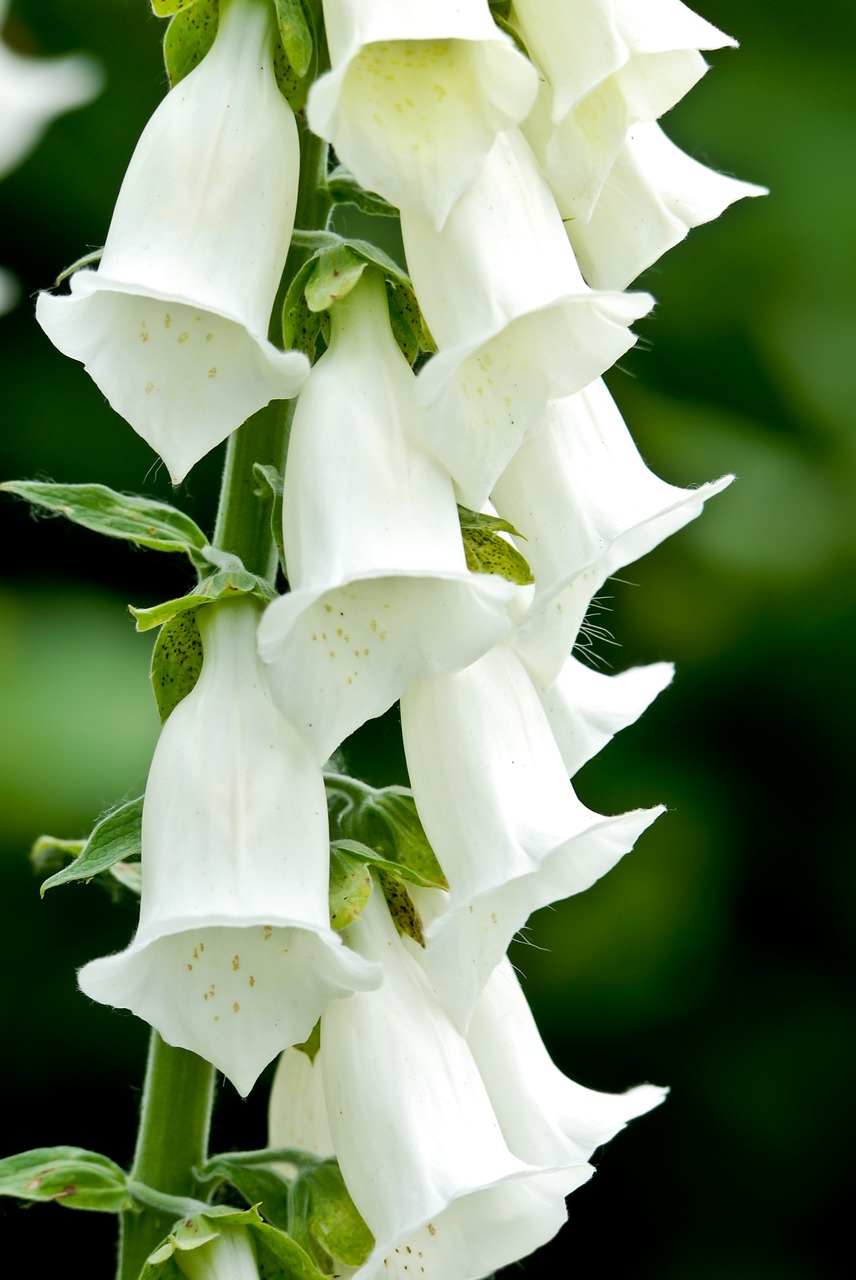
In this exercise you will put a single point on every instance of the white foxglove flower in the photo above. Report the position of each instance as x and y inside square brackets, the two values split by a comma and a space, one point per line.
[234, 957]
[587, 505]
[380, 593]
[297, 1110]
[546, 1118]
[499, 810]
[35, 90]
[229, 1255]
[416, 95]
[654, 194]
[173, 324]
[415, 1134]
[514, 322]
[607, 65]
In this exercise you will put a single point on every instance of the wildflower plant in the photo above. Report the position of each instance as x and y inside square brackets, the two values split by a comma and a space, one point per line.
[426, 483]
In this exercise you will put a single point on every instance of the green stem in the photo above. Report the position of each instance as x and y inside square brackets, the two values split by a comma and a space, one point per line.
[172, 1141]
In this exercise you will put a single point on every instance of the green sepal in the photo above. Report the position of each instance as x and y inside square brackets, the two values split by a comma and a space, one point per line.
[86, 261]
[350, 884]
[270, 477]
[143, 521]
[68, 1176]
[402, 908]
[189, 36]
[166, 8]
[259, 1184]
[486, 552]
[324, 1219]
[478, 520]
[330, 274]
[356, 849]
[116, 838]
[297, 34]
[311, 1046]
[279, 1257]
[176, 662]
[386, 822]
[344, 189]
[224, 584]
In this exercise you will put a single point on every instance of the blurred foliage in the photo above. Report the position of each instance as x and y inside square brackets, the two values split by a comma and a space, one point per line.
[716, 957]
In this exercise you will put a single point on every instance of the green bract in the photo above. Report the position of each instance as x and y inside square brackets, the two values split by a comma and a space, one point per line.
[69, 1176]
[115, 839]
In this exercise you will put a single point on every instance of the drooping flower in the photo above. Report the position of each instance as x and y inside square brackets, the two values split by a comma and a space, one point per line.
[586, 504]
[608, 64]
[514, 322]
[416, 1137]
[416, 1113]
[234, 957]
[416, 95]
[173, 324]
[35, 90]
[228, 1255]
[380, 593]
[495, 798]
[654, 195]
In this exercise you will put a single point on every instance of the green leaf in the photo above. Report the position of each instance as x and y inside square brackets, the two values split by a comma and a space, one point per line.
[387, 823]
[297, 35]
[325, 1220]
[336, 272]
[350, 886]
[345, 189]
[143, 521]
[223, 584]
[270, 478]
[487, 552]
[477, 520]
[49, 854]
[176, 662]
[402, 908]
[69, 1176]
[189, 36]
[114, 838]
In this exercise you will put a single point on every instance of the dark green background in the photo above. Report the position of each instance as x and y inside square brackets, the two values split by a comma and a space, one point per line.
[716, 958]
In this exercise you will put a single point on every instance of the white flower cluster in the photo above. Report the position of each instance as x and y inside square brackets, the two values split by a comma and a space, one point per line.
[532, 188]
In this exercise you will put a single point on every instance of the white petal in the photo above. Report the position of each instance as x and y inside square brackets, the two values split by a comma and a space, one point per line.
[586, 708]
[228, 1256]
[633, 63]
[416, 95]
[514, 321]
[173, 325]
[499, 810]
[546, 1117]
[297, 1115]
[380, 590]
[35, 90]
[417, 1141]
[654, 194]
[234, 957]
[587, 504]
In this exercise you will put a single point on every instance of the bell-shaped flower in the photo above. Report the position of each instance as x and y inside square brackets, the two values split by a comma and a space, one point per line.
[228, 1255]
[495, 799]
[234, 957]
[416, 95]
[35, 90]
[607, 64]
[380, 593]
[654, 195]
[546, 1118]
[587, 505]
[514, 322]
[415, 1134]
[173, 324]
